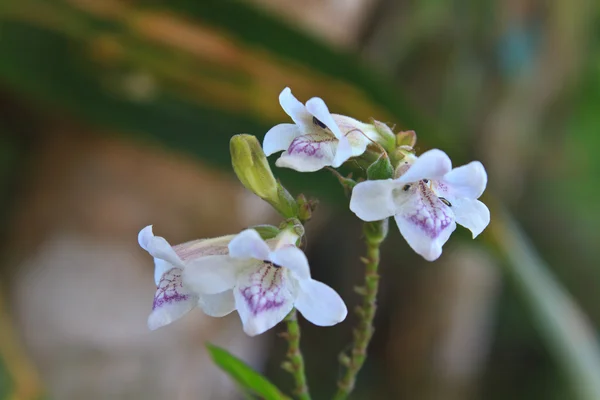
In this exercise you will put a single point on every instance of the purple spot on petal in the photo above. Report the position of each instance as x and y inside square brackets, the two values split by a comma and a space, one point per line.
[431, 215]
[266, 290]
[311, 145]
[170, 289]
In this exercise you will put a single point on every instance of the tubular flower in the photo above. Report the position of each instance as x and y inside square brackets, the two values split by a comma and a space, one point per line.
[427, 201]
[173, 299]
[317, 138]
[268, 280]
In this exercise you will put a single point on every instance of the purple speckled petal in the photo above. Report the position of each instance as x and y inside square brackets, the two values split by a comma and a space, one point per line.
[164, 255]
[279, 138]
[263, 297]
[309, 153]
[171, 300]
[424, 220]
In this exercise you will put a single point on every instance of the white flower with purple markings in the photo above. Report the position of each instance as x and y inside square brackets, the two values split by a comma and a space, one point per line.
[317, 138]
[427, 201]
[173, 299]
[268, 280]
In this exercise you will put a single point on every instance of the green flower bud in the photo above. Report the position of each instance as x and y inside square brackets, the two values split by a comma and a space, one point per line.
[266, 231]
[376, 232]
[386, 136]
[252, 169]
[380, 169]
[406, 138]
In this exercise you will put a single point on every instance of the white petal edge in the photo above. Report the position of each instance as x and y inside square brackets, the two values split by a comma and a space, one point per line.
[167, 314]
[211, 274]
[317, 107]
[468, 180]
[343, 152]
[432, 164]
[158, 247]
[320, 304]
[249, 244]
[260, 317]
[373, 200]
[472, 214]
[295, 109]
[293, 259]
[217, 305]
[428, 248]
[279, 138]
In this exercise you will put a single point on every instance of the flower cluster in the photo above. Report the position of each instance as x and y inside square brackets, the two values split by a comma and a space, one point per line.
[265, 277]
[262, 280]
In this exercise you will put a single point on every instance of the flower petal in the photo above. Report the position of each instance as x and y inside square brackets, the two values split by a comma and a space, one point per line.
[472, 214]
[373, 200]
[217, 305]
[320, 304]
[263, 297]
[280, 137]
[293, 259]
[309, 153]
[158, 247]
[359, 134]
[295, 109]
[203, 247]
[160, 267]
[317, 107]
[424, 220]
[211, 274]
[343, 152]
[171, 301]
[466, 181]
[249, 244]
[432, 164]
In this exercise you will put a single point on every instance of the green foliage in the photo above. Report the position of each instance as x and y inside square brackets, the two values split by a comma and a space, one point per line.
[250, 381]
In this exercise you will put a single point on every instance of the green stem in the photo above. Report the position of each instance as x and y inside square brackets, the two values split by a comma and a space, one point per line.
[375, 233]
[295, 363]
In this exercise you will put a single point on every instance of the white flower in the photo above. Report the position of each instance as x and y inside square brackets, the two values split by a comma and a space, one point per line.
[317, 138]
[267, 284]
[172, 299]
[427, 201]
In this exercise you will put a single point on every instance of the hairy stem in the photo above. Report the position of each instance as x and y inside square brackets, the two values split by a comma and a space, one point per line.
[295, 363]
[375, 233]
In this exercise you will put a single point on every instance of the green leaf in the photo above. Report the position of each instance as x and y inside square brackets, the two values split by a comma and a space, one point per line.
[247, 378]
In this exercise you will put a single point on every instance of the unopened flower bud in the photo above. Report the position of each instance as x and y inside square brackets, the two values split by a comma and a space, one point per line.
[252, 169]
[387, 138]
[406, 138]
[380, 169]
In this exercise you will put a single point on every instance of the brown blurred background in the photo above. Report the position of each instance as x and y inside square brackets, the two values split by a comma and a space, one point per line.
[116, 114]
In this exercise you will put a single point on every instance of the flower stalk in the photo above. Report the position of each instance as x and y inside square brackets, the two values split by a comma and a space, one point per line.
[375, 233]
[295, 363]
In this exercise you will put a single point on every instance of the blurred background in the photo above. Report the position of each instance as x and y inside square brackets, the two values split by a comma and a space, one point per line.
[116, 114]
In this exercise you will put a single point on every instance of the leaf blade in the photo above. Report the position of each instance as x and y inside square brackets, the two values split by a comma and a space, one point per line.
[247, 378]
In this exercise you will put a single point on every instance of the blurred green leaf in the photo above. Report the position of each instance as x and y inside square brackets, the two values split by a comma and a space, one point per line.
[248, 379]
[561, 323]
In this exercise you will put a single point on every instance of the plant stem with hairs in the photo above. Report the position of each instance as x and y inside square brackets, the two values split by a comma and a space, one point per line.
[375, 233]
[295, 363]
